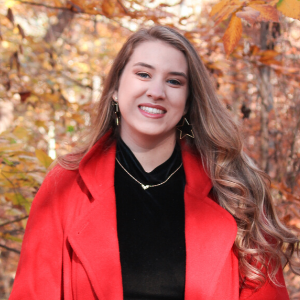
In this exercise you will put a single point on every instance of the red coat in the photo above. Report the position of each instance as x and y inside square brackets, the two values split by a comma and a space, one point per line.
[70, 248]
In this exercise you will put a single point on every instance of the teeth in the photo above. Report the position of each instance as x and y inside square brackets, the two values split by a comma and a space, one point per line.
[152, 110]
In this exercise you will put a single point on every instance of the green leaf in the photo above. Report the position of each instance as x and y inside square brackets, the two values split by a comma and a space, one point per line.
[8, 162]
[70, 128]
[12, 238]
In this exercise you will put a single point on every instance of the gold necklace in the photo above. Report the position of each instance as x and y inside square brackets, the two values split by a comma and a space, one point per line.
[144, 186]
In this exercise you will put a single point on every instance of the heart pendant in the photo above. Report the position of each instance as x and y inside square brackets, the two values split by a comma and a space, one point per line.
[145, 186]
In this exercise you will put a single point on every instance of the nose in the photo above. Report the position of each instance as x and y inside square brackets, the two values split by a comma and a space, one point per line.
[156, 89]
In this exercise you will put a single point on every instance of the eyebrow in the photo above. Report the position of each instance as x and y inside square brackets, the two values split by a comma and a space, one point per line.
[151, 67]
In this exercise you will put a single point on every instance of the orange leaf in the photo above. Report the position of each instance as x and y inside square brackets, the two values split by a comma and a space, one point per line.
[270, 61]
[267, 12]
[222, 10]
[57, 3]
[254, 50]
[290, 8]
[232, 34]
[218, 7]
[268, 54]
[108, 7]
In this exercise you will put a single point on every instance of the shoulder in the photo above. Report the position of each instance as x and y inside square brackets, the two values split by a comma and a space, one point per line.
[58, 177]
[57, 182]
[57, 187]
[62, 197]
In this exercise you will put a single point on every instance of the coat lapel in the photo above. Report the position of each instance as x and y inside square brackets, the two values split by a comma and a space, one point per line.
[210, 230]
[94, 237]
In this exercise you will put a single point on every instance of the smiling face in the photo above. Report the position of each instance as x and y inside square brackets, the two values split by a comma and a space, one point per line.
[152, 91]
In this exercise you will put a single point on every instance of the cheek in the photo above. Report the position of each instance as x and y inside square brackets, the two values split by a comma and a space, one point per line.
[179, 103]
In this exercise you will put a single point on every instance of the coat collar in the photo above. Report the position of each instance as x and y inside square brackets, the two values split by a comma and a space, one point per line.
[208, 228]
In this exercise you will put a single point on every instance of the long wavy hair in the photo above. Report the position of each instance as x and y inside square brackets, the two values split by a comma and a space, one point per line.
[242, 189]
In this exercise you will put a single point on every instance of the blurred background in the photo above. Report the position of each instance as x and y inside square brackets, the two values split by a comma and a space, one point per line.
[55, 55]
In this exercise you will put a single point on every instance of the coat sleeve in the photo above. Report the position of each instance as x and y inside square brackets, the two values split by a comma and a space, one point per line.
[269, 291]
[39, 273]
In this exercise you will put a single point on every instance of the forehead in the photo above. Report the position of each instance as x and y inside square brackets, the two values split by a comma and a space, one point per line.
[159, 54]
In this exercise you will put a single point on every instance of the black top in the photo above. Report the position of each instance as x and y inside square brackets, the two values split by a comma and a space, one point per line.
[150, 227]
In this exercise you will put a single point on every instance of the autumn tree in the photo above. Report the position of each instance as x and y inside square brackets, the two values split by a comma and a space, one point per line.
[55, 55]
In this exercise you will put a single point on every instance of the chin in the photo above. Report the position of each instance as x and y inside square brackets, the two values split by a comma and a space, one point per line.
[156, 133]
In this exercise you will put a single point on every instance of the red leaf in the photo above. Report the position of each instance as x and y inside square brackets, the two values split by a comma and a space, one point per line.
[249, 14]
[24, 95]
[10, 15]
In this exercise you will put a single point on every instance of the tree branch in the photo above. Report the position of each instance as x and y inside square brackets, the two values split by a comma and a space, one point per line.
[123, 7]
[45, 5]
[13, 221]
[76, 82]
[10, 249]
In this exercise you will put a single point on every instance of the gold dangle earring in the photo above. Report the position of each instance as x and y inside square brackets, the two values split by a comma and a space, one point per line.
[185, 129]
[116, 110]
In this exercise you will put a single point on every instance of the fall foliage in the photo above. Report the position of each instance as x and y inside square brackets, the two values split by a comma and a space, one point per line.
[55, 54]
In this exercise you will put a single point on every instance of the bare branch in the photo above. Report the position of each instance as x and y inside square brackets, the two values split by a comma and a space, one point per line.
[13, 221]
[76, 82]
[45, 5]
[10, 249]
[123, 7]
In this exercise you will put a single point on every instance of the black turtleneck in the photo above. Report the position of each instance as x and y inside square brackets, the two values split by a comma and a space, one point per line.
[150, 227]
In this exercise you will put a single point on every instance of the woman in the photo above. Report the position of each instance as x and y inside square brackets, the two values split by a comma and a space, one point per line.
[136, 214]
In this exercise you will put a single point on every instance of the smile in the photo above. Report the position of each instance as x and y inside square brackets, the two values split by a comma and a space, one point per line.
[152, 110]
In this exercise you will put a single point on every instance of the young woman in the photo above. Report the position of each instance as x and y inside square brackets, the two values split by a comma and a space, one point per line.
[161, 202]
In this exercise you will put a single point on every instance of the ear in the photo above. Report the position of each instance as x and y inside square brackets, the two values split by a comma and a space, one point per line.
[115, 96]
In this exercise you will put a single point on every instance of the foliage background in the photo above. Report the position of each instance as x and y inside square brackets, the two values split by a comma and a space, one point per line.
[55, 54]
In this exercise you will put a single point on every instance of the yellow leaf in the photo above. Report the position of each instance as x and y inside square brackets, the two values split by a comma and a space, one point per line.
[10, 3]
[290, 8]
[15, 198]
[52, 97]
[83, 67]
[20, 132]
[267, 12]
[12, 147]
[43, 158]
[232, 34]
[8, 236]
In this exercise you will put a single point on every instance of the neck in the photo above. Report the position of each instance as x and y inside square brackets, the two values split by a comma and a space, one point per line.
[150, 151]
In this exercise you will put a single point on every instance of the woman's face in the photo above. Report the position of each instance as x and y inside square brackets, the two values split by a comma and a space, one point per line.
[152, 91]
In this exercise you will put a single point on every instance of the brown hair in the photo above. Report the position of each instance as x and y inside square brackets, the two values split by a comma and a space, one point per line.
[238, 185]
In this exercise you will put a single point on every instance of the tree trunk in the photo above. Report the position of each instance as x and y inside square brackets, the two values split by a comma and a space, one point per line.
[54, 31]
[265, 90]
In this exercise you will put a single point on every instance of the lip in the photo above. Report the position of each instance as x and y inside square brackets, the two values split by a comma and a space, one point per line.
[149, 115]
